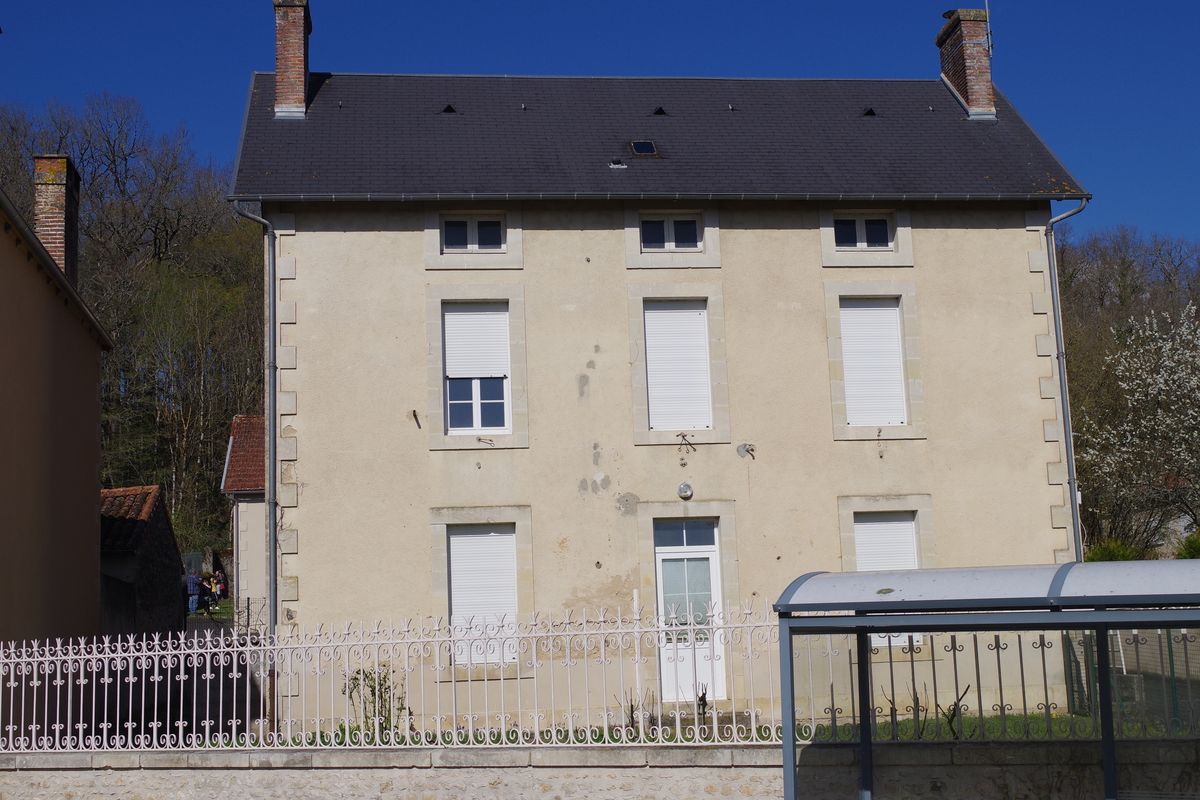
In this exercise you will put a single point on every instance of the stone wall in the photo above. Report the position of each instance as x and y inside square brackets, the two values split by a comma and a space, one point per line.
[983, 771]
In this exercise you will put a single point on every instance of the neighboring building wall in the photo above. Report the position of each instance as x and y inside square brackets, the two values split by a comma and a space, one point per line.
[250, 543]
[50, 466]
[362, 482]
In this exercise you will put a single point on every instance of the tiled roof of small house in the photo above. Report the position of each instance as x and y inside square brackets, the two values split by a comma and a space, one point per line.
[125, 514]
[245, 460]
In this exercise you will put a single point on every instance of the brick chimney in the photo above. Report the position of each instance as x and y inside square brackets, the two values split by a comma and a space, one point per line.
[967, 60]
[292, 27]
[56, 210]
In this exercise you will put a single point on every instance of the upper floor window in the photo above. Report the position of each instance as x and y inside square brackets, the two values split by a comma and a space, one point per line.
[672, 234]
[866, 238]
[473, 234]
[678, 381]
[478, 393]
[873, 361]
[862, 231]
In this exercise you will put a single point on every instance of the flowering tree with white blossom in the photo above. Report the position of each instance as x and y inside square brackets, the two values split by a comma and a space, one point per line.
[1145, 459]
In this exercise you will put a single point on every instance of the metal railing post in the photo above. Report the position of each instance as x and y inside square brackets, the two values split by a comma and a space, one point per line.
[866, 707]
[788, 706]
[1108, 743]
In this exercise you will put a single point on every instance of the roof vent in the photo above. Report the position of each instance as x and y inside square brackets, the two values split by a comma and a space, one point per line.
[870, 112]
[617, 163]
[660, 112]
[643, 148]
[449, 109]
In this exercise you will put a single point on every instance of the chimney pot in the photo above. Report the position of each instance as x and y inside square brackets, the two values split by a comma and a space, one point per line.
[967, 60]
[56, 210]
[293, 24]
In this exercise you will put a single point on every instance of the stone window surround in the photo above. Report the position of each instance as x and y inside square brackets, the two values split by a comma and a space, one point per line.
[435, 296]
[717, 371]
[513, 256]
[899, 255]
[707, 258]
[520, 517]
[722, 511]
[922, 504]
[910, 320]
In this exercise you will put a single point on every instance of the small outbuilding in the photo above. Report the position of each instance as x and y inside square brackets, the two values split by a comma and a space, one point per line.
[140, 566]
[1099, 597]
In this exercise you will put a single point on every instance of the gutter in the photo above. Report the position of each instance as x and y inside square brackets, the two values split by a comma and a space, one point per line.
[272, 422]
[1064, 398]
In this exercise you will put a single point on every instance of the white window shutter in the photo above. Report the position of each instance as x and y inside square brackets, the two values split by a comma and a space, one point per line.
[483, 573]
[885, 540]
[678, 386]
[475, 340]
[873, 362]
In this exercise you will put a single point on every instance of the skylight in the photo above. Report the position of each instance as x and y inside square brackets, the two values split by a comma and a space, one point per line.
[643, 147]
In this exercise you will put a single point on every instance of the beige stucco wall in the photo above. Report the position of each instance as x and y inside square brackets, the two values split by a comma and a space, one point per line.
[250, 531]
[360, 478]
[49, 454]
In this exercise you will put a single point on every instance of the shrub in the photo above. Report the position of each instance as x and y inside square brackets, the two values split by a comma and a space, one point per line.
[1111, 550]
[1190, 546]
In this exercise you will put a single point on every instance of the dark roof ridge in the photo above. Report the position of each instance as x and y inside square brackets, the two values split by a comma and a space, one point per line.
[609, 77]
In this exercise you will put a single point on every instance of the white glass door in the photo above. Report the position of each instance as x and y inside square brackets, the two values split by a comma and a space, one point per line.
[691, 653]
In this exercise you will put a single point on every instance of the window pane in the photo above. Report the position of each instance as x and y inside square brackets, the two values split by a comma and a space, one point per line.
[845, 233]
[491, 388]
[701, 533]
[699, 586]
[459, 388]
[489, 234]
[877, 233]
[454, 234]
[654, 234]
[491, 415]
[460, 416]
[674, 586]
[686, 234]
[668, 533]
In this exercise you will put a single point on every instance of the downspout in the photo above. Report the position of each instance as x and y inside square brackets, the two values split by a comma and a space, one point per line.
[1064, 398]
[272, 422]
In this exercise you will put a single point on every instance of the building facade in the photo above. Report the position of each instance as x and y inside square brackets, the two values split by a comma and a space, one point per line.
[49, 417]
[243, 482]
[554, 343]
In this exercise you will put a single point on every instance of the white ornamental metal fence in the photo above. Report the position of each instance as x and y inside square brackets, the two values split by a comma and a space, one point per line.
[606, 678]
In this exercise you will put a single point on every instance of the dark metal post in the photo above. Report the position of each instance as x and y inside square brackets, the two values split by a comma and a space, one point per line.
[866, 709]
[1108, 743]
[788, 697]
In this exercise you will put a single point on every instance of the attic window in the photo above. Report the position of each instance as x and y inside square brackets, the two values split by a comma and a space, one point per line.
[660, 112]
[643, 148]
[449, 109]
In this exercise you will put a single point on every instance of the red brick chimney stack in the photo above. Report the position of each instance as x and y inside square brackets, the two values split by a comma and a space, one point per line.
[56, 210]
[292, 27]
[967, 60]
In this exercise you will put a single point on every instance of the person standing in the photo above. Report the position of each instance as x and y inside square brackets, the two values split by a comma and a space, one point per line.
[193, 591]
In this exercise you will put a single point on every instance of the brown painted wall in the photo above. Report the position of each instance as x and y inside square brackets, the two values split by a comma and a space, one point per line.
[49, 454]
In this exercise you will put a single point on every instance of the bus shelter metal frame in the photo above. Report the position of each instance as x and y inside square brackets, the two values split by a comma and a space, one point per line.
[828, 603]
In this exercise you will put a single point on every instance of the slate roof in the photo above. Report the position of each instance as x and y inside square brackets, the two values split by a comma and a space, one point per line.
[125, 515]
[387, 137]
[246, 458]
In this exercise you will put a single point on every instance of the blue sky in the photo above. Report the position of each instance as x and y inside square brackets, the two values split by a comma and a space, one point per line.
[1111, 87]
